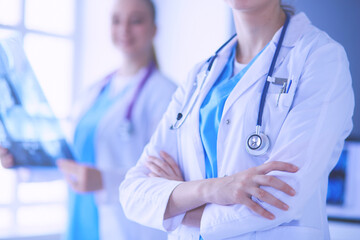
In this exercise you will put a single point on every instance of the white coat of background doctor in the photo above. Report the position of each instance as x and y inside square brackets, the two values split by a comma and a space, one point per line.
[279, 195]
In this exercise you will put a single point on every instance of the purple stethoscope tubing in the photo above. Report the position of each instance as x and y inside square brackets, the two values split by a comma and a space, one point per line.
[150, 69]
[138, 90]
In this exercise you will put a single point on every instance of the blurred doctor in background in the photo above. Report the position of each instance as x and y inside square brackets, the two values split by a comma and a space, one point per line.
[114, 120]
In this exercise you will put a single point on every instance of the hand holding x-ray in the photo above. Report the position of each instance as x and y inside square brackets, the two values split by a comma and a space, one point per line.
[29, 129]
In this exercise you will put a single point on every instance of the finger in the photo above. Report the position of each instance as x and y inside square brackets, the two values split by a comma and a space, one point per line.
[274, 182]
[155, 169]
[7, 161]
[162, 164]
[67, 166]
[73, 183]
[258, 209]
[171, 162]
[264, 196]
[277, 166]
[3, 151]
[151, 174]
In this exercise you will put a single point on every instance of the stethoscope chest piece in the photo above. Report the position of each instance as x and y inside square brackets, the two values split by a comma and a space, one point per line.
[257, 144]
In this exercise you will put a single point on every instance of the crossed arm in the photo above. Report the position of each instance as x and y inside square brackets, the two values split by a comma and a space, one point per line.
[191, 197]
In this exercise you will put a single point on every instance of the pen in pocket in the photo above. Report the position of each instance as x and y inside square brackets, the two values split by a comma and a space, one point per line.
[289, 86]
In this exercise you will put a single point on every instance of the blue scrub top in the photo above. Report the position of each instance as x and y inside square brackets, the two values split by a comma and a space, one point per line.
[212, 108]
[83, 213]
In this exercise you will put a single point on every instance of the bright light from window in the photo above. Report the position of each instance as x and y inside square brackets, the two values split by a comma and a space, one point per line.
[44, 218]
[51, 59]
[4, 33]
[38, 208]
[55, 16]
[6, 219]
[43, 192]
[10, 12]
[7, 185]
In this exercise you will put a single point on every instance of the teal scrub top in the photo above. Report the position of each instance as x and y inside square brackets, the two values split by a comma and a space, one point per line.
[212, 108]
[83, 213]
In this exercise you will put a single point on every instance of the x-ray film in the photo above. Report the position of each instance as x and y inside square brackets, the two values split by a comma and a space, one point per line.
[28, 127]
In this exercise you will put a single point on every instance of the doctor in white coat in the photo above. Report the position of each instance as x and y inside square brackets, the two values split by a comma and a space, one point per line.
[114, 121]
[253, 167]
[131, 102]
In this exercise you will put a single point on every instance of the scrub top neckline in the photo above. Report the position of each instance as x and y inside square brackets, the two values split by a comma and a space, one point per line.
[238, 67]
[119, 82]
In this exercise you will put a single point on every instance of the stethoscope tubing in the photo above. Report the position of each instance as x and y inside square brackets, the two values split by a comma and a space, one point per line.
[138, 90]
[270, 72]
[181, 117]
[129, 110]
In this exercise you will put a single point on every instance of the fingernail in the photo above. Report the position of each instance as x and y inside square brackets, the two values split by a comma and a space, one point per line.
[285, 207]
[271, 216]
[292, 192]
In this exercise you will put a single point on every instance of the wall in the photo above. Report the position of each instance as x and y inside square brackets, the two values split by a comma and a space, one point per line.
[97, 55]
[188, 31]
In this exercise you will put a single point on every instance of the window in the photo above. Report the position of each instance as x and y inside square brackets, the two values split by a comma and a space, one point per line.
[47, 28]
[31, 208]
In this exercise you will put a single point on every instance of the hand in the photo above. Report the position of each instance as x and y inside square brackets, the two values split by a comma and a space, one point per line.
[164, 168]
[238, 188]
[80, 177]
[6, 159]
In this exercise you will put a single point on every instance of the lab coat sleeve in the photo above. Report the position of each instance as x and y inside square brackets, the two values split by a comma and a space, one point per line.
[311, 137]
[158, 103]
[144, 199]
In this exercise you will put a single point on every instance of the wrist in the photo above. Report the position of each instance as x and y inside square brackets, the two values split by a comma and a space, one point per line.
[207, 191]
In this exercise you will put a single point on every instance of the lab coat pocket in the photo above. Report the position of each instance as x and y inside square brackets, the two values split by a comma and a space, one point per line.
[279, 102]
[293, 232]
[285, 100]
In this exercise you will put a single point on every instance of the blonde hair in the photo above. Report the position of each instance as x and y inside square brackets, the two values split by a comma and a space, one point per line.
[151, 6]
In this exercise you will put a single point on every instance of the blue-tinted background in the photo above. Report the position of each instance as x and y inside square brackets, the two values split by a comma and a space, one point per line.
[341, 20]
[337, 181]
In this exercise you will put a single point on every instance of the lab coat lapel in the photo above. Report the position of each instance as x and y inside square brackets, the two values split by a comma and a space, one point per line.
[213, 75]
[261, 66]
[86, 99]
[255, 73]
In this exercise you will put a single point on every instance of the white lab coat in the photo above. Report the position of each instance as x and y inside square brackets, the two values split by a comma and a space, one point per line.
[115, 156]
[307, 128]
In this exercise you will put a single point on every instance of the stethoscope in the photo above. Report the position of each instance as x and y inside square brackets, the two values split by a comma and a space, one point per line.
[126, 127]
[258, 143]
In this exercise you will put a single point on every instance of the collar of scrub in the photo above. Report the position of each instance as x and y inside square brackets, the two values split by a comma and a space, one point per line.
[118, 83]
[232, 74]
